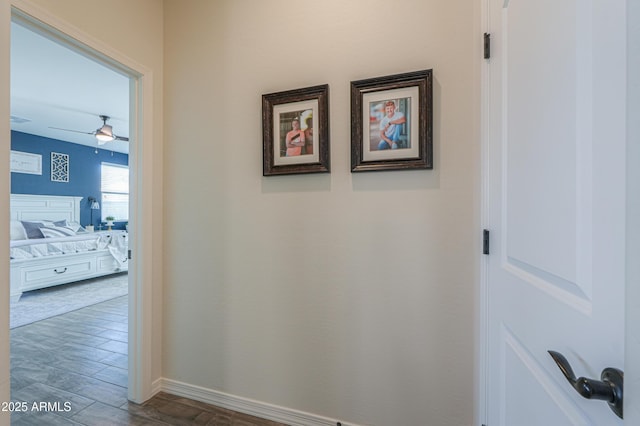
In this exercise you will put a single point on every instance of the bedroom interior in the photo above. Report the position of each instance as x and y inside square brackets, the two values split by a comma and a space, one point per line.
[65, 256]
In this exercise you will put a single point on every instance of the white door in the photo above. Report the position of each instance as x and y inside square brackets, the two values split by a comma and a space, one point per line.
[555, 206]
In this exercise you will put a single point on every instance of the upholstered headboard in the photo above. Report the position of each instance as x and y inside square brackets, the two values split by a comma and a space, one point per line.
[45, 207]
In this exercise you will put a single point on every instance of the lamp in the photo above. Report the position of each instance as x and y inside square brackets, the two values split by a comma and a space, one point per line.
[93, 205]
[105, 134]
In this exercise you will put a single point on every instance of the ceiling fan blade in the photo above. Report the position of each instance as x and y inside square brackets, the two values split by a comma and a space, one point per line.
[104, 134]
[75, 131]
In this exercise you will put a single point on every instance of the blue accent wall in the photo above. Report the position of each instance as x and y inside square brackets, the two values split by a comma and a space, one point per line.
[84, 171]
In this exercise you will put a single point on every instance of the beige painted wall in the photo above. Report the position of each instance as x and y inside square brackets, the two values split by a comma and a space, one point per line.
[346, 295]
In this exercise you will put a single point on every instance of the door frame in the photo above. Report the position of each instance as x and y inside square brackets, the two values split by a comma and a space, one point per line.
[632, 307]
[140, 156]
[632, 290]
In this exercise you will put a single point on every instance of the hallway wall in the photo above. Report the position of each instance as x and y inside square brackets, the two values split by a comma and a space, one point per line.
[346, 295]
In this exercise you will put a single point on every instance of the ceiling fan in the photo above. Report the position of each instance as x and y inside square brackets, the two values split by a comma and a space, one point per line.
[104, 134]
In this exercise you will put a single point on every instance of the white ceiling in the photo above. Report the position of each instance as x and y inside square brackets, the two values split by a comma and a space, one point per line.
[53, 86]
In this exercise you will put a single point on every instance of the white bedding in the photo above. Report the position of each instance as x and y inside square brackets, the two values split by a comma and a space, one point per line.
[119, 247]
[57, 250]
[114, 241]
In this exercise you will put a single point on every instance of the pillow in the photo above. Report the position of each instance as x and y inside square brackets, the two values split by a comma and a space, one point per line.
[56, 231]
[32, 229]
[75, 226]
[17, 231]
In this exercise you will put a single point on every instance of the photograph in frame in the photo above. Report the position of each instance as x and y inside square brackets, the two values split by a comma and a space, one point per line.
[296, 131]
[391, 122]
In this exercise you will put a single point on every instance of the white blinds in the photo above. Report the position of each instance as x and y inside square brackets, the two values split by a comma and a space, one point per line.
[115, 191]
[115, 178]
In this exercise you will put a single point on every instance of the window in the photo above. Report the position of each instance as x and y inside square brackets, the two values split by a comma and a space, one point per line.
[115, 191]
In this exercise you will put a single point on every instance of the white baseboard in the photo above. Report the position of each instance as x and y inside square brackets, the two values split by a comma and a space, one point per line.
[243, 405]
[156, 386]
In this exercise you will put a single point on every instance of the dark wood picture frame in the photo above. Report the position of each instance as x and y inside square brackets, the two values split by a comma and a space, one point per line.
[409, 97]
[310, 108]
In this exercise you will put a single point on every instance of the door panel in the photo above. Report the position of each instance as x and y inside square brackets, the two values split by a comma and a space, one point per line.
[540, 110]
[523, 375]
[555, 177]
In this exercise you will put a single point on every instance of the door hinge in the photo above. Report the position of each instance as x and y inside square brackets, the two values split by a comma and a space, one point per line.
[485, 241]
[487, 45]
[129, 254]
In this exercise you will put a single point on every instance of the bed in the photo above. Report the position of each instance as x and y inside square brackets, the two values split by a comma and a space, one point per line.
[49, 247]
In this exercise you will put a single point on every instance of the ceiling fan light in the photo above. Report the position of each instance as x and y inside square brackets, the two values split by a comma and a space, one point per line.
[104, 138]
[104, 134]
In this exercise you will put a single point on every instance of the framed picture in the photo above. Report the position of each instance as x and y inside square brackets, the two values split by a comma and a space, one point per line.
[392, 122]
[26, 162]
[295, 131]
[59, 167]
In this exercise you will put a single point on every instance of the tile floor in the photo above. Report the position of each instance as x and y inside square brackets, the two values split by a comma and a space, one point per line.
[77, 362]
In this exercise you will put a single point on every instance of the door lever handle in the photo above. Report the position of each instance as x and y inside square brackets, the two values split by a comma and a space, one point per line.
[609, 388]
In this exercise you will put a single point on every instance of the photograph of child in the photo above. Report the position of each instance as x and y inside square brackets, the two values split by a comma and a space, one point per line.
[296, 128]
[388, 124]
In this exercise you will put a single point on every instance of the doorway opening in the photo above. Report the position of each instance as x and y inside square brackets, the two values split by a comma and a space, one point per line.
[61, 172]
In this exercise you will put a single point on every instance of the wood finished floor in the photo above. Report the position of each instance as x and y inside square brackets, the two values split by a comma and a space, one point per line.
[80, 358]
